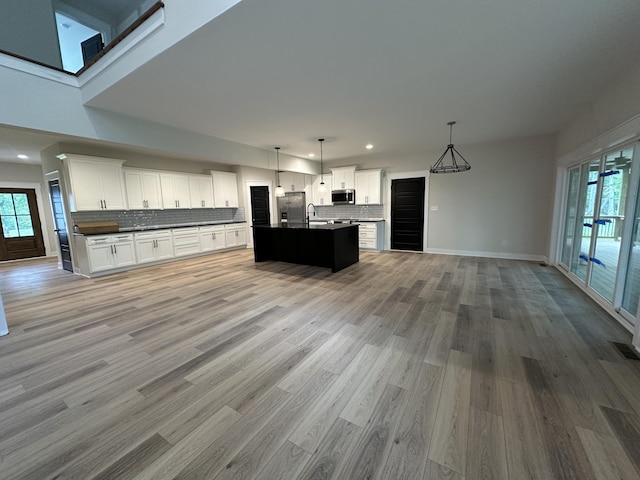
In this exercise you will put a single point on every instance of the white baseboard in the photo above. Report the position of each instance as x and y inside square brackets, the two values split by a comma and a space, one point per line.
[506, 256]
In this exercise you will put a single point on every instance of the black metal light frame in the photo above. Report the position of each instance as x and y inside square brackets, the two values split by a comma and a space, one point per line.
[456, 166]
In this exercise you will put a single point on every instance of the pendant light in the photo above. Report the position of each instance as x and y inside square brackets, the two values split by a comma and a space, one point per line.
[455, 166]
[279, 189]
[322, 187]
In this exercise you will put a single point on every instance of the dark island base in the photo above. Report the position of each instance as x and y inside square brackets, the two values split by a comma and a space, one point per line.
[332, 246]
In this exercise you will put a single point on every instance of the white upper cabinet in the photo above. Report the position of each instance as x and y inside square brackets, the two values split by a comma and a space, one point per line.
[201, 191]
[368, 187]
[343, 178]
[143, 189]
[325, 197]
[175, 190]
[96, 183]
[225, 189]
[293, 182]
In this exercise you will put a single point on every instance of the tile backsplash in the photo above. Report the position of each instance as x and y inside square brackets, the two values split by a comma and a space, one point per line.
[360, 212]
[149, 218]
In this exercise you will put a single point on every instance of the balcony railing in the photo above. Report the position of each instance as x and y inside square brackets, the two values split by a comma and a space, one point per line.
[57, 35]
[609, 226]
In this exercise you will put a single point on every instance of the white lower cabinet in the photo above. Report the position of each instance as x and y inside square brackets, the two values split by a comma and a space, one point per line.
[186, 241]
[235, 234]
[153, 246]
[370, 235]
[212, 238]
[107, 252]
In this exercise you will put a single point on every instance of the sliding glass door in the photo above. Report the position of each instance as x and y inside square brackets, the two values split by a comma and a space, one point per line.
[600, 247]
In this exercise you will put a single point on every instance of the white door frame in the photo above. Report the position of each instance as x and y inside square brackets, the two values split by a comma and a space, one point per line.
[248, 185]
[40, 196]
[387, 203]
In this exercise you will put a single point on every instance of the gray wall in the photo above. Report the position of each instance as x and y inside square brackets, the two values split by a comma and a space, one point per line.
[501, 207]
[28, 28]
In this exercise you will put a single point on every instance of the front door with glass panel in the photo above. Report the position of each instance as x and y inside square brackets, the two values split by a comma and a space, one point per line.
[600, 198]
[21, 236]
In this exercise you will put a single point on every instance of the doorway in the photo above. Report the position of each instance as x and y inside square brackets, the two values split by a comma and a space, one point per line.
[258, 195]
[407, 214]
[260, 214]
[21, 233]
[60, 222]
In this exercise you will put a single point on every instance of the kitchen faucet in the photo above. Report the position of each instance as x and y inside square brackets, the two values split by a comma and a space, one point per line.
[314, 211]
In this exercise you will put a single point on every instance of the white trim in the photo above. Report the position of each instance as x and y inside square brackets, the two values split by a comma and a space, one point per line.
[36, 70]
[387, 205]
[623, 133]
[506, 256]
[257, 183]
[44, 226]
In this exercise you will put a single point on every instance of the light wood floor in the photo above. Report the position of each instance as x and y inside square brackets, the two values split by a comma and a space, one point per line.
[404, 366]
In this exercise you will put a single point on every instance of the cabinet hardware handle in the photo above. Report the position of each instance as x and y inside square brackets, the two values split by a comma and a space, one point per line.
[226, 203]
[111, 248]
[115, 249]
[213, 236]
[202, 203]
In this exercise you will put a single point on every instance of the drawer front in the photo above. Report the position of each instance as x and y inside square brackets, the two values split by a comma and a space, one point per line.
[215, 229]
[186, 239]
[367, 226]
[367, 235]
[185, 231]
[99, 240]
[367, 243]
[152, 235]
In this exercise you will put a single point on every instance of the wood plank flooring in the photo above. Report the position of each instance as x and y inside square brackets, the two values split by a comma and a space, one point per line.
[403, 366]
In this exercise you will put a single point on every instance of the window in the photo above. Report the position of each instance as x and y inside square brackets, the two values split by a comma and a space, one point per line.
[15, 215]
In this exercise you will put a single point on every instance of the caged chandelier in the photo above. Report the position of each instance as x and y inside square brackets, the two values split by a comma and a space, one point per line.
[455, 166]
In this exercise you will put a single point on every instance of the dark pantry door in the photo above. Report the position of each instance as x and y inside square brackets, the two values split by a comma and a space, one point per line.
[260, 214]
[20, 235]
[407, 214]
[61, 224]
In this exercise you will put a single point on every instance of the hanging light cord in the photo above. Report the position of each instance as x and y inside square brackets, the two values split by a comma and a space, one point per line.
[321, 140]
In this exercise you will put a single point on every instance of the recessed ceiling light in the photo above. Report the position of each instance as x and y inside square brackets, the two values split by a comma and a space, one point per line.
[23, 157]
[368, 146]
[311, 155]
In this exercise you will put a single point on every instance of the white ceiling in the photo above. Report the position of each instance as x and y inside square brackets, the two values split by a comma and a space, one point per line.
[286, 72]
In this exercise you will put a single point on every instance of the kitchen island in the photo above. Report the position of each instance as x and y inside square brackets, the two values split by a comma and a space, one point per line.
[333, 245]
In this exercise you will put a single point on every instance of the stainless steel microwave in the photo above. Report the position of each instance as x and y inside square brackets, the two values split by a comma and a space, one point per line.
[343, 197]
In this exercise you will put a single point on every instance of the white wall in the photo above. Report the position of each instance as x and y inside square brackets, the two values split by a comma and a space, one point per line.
[28, 28]
[30, 176]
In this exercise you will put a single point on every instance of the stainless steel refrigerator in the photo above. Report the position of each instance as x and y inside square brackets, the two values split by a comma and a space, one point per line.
[292, 208]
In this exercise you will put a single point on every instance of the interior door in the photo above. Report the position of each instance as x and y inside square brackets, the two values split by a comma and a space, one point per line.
[61, 224]
[407, 214]
[21, 235]
[260, 214]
